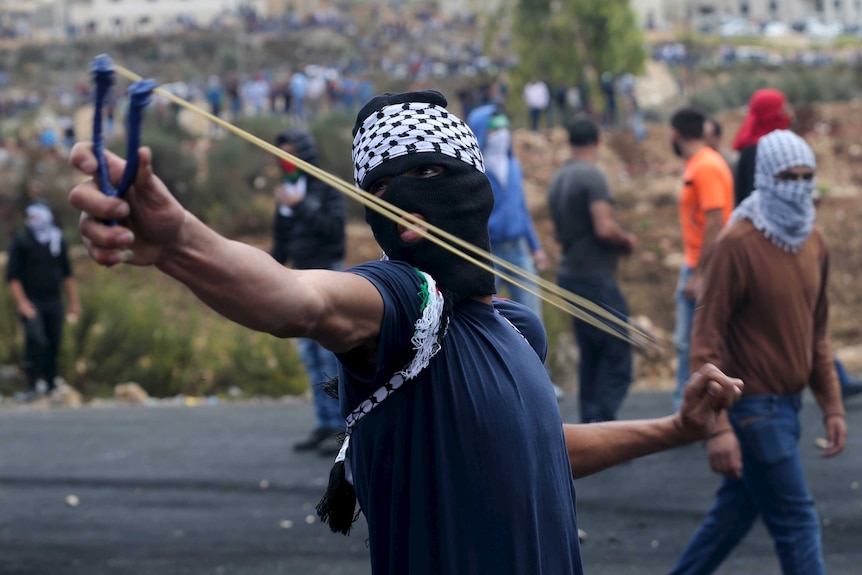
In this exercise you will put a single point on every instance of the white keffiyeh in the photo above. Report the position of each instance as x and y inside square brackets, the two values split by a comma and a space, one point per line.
[782, 210]
[40, 222]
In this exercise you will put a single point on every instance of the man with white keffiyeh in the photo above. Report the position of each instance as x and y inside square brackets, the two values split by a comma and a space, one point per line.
[455, 450]
[763, 317]
[37, 269]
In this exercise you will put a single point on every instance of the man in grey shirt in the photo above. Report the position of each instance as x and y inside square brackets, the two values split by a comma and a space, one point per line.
[592, 242]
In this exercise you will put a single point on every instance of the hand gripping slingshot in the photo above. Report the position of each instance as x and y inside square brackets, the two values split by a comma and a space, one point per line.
[140, 94]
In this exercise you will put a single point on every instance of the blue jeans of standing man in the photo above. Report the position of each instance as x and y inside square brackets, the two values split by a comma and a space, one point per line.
[321, 365]
[773, 486]
[682, 334]
[517, 252]
[605, 368]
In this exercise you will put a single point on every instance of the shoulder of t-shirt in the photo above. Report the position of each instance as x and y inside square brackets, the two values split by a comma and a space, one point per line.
[526, 322]
[383, 269]
[710, 162]
[585, 175]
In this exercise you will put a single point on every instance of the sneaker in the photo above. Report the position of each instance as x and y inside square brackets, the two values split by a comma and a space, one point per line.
[330, 446]
[313, 440]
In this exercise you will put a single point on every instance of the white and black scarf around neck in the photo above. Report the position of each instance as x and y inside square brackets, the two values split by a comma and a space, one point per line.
[782, 210]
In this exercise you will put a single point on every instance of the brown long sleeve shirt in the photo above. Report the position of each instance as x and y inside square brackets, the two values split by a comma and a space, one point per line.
[763, 315]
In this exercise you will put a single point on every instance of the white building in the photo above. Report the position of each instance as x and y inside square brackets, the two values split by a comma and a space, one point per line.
[119, 17]
[144, 16]
[665, 12]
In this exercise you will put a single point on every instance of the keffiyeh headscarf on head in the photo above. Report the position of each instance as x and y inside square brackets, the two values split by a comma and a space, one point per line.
[40, 221]
[783, 210]
[397, 132]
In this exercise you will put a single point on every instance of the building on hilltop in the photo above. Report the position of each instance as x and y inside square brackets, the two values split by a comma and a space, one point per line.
[58, 18]
[664, 12]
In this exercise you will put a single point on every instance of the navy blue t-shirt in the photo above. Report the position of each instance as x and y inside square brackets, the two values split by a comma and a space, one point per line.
[464, 469]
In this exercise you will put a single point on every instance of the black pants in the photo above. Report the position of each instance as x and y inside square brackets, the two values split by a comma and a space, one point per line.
[605, 370]
[42, 337]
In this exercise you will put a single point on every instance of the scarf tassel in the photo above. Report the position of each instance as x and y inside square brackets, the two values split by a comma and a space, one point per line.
[337, 508]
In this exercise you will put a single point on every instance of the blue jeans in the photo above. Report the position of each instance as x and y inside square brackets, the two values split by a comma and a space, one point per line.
[321, 365]
[517, 252]
[773, 486]
[682, 334]
[605, 367]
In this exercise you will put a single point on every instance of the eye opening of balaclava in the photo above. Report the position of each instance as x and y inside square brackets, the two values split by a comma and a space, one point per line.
[397, 132]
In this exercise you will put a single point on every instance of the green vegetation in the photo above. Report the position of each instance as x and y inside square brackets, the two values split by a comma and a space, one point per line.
[139, 326]
[565, 41]
[802, 85]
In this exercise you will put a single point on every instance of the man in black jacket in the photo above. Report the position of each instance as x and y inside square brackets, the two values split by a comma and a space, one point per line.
[37, 270]
[309, 233]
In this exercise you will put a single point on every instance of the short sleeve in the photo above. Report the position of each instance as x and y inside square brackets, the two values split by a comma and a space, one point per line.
[710, 186]
[400, 285]
[596, 185]
[65, 263]
[13, 266]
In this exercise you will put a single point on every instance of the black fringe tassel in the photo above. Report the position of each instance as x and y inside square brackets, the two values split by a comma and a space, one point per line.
[330, 387]
[338, 506]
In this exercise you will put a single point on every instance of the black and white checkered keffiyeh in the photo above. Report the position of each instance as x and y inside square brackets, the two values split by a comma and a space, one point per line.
[412, 128]
[783, 210]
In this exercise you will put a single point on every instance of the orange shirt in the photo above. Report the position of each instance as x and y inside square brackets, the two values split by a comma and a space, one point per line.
[708, 185]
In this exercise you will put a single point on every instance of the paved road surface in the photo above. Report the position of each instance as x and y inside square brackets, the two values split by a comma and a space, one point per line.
[175, 490]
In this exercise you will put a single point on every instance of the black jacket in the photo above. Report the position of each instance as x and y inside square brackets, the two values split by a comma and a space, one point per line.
[41, 273]
[743, 175]
[312, 237]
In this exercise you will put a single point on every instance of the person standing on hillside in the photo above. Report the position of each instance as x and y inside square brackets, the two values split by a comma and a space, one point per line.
[37, 271]
[537, 97]
[455, 448]
[705, 204]
[592, 241]
[308, 233]
[765, 319]
[513, 237]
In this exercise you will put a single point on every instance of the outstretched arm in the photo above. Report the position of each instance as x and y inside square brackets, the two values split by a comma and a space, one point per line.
[340, 310]
[597, 446]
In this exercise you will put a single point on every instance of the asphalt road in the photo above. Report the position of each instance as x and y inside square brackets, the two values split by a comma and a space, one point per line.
[217, 490]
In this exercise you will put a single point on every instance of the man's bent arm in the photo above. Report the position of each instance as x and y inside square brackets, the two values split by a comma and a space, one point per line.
[596, 446]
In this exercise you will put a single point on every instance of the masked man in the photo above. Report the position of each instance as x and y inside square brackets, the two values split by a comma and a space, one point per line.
[455, 446]
[308, 233]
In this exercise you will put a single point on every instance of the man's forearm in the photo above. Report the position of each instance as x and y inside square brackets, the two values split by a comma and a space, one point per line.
[238, 281]
[597, 446]
[247, 286]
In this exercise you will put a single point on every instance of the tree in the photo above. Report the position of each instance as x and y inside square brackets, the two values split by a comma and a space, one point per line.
[566, 41]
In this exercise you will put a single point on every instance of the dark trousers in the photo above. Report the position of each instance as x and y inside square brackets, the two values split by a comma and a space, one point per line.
[281, 230]
[605, 370]
[42, 337]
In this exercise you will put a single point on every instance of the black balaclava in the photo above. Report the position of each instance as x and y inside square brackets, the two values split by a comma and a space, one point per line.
[397, 132]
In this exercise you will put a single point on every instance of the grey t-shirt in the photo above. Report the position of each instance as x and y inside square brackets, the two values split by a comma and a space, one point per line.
[577, 185]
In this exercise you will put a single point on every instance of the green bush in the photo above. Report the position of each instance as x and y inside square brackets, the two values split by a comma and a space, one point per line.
[802, 85]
